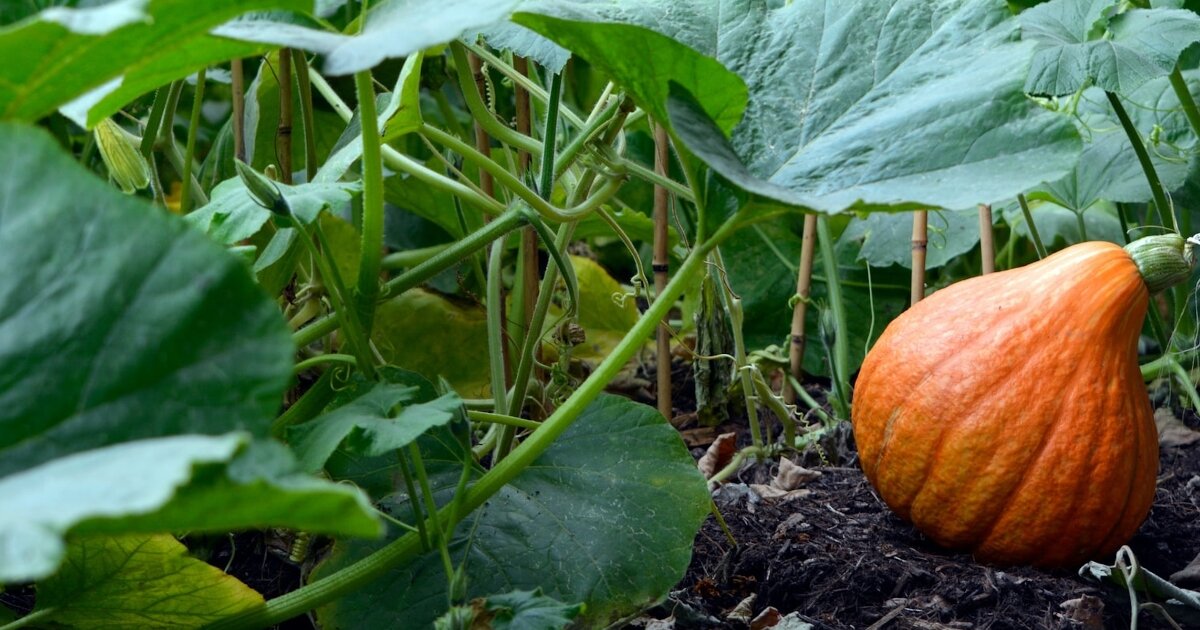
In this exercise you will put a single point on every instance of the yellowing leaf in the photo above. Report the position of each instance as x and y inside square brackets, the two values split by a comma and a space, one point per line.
[603, 313]
[141, 581]
[428, 334]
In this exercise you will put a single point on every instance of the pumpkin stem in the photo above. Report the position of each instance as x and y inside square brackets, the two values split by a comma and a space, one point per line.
[1161, 260]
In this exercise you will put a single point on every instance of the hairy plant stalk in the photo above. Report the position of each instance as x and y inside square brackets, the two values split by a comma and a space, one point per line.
[372, 204]
[306, 114]
[483, 143]
[987, 246]
[1165, 211]
[1180, 86]
[841, 341]
[1033, 230]
[528, 249]
[238, 72]
[283, 132]
[920, 241]
[797, 339]
[189, 153]
[661, 266]
[474, 99]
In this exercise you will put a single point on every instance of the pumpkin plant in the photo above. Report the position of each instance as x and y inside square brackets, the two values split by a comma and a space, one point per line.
[285, 355]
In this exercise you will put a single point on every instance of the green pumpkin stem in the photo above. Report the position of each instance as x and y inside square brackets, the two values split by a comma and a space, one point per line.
[1162, 261]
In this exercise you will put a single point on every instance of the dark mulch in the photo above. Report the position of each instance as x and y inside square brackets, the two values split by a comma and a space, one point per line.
[840, 559]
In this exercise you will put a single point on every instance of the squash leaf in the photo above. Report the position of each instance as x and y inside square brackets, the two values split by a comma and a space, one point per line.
[866, 104]
[605, 517]
[182, 483]
[1082, 41]
[139, 581]
[123, 323]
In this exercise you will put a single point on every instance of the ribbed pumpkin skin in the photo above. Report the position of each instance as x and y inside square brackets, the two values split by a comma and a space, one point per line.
[1006, 414]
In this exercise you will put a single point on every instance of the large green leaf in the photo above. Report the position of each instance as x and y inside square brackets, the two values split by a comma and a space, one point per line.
[1082, 42]
[119, 322]
[886, 239]
[1108, 168]
[862, 101]
[394, 28]
[139, 581]
[370, 419]
[133, 46]
[606, 516]
[182, 483]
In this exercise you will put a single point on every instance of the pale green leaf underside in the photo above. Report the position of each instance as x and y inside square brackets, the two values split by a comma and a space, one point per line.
[139, 581]
[886, 238]
[119, 322]
[47, 64]
[182, 483]
[394, 28]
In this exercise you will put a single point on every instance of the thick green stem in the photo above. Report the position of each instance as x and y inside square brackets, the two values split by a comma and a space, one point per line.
[1139, 148]
[1033, 231]
[154, 122]
[495, 326]
[306, 114]
[32, 617]
[408, 546]
[733, 304]
[536, 321]
[841, 342]
[412, 257]
[503, 419]
[189, 152]
[522, 81]
[1185, 100]
[1185, 382]
[480, 111]
[546, 183]
[372, 203]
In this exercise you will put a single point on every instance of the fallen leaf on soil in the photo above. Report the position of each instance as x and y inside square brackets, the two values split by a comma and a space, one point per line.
[1087, 612]
[744, 610]
[1189, 576]
[791, 476]
[771, 493]
[793, 622]
[1172, 432]
[718, 455]
[768, 618]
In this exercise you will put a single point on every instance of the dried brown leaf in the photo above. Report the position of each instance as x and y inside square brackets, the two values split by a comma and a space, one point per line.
[718, 455]
[1172, 432]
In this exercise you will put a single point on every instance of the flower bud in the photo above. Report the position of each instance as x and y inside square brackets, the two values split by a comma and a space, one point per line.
[119, 150]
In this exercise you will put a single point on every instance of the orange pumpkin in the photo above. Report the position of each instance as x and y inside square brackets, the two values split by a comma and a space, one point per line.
[1006, 414]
